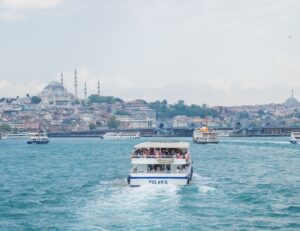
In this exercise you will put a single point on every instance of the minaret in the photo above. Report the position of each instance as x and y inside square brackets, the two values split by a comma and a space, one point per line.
[84, 91]
[75, 83]
[62, 79]
[98, 90]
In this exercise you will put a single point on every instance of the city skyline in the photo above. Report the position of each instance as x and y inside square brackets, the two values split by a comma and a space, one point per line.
[229, 53]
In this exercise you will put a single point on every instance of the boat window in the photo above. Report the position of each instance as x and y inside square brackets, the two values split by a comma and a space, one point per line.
[156, 167]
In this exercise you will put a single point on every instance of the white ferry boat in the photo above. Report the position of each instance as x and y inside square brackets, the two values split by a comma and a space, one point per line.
[16, 136]
[295, 138]
[121, 135]
[37, 138]
[204, 135]
[161, 163]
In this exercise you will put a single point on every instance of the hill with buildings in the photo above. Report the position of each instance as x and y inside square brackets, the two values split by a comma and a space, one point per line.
[55, 109]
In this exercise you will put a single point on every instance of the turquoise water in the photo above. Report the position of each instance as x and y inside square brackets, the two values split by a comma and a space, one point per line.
[79, 184]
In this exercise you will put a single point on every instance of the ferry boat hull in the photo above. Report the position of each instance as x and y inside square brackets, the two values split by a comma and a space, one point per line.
[38, 142]
[293, 142]
[295, 138]
[120, 136]
[149, 179]
[37, 138]
[15, 136]
[138, 181]
[205, 142]
[205, 136]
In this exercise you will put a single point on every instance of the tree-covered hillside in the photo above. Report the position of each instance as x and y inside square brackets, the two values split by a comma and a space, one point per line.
[165, 110]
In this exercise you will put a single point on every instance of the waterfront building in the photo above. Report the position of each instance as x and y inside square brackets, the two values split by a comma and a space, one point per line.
[128, 122]
[180, 122]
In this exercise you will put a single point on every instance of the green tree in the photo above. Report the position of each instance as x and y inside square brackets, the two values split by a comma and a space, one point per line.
[113, 123]
[297, 114]
[260, 112]
[76, 101]
[35, 99]
[104, 99]
[92, 126]
[244, 115]
[141, 101]
[163, 110]
[5, 128]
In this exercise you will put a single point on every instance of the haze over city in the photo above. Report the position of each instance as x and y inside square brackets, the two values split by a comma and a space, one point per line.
[207, 51]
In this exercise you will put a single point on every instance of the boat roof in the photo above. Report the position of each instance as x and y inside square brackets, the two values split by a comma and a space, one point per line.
[160, 144]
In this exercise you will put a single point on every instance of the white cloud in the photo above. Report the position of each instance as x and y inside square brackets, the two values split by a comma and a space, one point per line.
[11, 89]
[18, 9]
[289, 67]
[220, 84]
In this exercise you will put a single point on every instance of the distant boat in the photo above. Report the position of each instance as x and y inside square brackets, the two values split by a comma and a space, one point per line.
[295, 138]
[121, 135]
[16, 136]
[37, 138]
[204, 135]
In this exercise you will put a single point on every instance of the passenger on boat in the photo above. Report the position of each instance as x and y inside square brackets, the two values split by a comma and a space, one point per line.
[157, 153]
[145, 153]
[187, 156]
[152, 153]
[179, 155]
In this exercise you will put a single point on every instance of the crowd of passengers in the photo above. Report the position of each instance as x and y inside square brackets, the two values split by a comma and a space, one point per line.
[161, 153]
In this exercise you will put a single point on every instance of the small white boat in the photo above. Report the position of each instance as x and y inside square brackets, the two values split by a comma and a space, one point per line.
[121, 135]
[161, 163]
[295, 138]
[204, 135]
[16, 136]
[37, 138]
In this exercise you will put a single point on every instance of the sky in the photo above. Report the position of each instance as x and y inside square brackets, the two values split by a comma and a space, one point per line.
[218, 52]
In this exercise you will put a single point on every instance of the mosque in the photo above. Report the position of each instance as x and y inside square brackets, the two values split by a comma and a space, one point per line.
[292, 101]
[55, 93]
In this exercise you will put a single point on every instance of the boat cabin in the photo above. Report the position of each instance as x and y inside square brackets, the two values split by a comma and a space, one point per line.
[160, 157]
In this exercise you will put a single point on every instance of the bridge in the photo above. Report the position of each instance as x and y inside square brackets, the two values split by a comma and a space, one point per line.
[145, 132]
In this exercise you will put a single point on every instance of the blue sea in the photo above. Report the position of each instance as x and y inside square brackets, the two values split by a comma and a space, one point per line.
[80, 184]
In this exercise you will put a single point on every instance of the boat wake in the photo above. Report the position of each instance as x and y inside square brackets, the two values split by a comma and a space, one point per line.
[115, 200]
[204, 184]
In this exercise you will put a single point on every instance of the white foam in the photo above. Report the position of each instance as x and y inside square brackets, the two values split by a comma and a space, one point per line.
[204, 184]
[111, 200]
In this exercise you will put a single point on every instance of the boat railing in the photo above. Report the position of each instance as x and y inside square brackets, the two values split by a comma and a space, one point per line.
[296, 134]
[159, 156]
[160, 171]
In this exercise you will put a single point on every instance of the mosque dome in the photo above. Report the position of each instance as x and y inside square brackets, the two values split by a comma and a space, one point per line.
[54, 85]
[55, 93]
